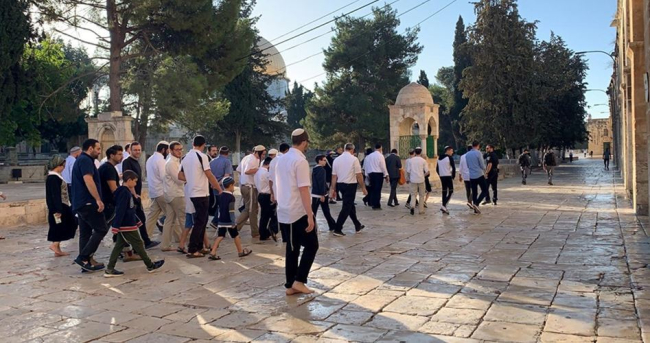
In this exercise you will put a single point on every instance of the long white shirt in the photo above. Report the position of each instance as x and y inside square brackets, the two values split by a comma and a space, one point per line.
[156, 175]
[462, 168]
[262, 181]
[249, 163]
[274, 162]
[417, 169]
[346, 167]
[291, 174]
[67, 170]
[375, 163]
[197, 182]
[173, 187]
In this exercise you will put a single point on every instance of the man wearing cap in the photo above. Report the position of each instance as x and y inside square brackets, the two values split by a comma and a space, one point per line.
[221, 168]
[155, 167]
[294, 213]
[346, 176]
[376, 171]
[273, 153]
[69, 163]
[248, 191]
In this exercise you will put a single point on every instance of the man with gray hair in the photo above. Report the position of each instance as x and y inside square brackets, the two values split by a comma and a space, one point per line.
[346, 176]
[69, 163]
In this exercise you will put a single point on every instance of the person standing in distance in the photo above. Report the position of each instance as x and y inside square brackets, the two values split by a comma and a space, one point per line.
[393, 165]
[155, 167]
[132, 163]
[295, 214]
[606, 156]
[524, 165]
[346, 176]
[417, 170]
[549, 165]
[375, 167]
[491, 173]
[87, 203]
[446, 169]
[476, 166]
[195, 170]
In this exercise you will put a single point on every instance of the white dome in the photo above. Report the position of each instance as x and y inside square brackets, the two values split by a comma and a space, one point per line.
[414, 94]
[276, 62]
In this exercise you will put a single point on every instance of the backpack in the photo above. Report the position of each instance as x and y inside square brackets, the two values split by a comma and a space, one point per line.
[549, 159]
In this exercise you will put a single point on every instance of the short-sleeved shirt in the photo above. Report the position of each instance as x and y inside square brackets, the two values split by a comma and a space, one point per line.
[227, 209]
[194, 170]
[249, 164]
[107, 172]
[84, 165]
[346, 167]
[292, 172]
[262, 181]
[494, 159]
[221, 166]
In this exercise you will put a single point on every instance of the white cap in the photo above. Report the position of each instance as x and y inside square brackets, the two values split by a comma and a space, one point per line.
[273, 152]
[259, 148]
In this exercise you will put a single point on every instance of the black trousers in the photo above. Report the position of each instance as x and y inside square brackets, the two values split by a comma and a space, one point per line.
[476, 183]
[348, 192]
[201, 206]
[392, 198]
[139, 212]
[92, 229]
[296, 268]
[315, 202]
[492, 181]
[606, 161]
[468, 190]
[447, 189]
[268, 218]
[376, 183]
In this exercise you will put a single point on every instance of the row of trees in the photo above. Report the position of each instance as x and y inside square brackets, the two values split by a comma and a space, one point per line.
[505, 86]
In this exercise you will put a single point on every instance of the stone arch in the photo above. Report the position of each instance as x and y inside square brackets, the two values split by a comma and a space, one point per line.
[406, 126]
[106, 137]
[432, 127]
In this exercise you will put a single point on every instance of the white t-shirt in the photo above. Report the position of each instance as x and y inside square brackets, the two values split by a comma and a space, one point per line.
[197, 183]
[249, 163]
[464, 171]
[274, 162]
[375, 163]
[292, 172]
[444, 166]
[262, 181]
[417, 169]
[155, 167]
[346, 167]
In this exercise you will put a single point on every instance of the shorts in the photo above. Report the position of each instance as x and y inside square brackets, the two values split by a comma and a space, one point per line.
[427, 184]
[221, 232]
[189, 220]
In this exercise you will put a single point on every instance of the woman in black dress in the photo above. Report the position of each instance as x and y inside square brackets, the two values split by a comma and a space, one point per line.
[59, 214]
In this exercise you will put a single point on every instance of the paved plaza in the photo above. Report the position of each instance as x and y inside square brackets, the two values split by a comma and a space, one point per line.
[563, 263]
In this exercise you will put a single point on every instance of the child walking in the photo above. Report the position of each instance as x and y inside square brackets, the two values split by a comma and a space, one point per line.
[227, 220]
[126, 225]
[319, 192]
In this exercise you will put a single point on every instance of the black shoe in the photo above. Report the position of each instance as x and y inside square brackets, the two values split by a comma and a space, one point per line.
[332, 202]
[412, 211]
[391, 205]
[113, 273]
[156, 265]
[241, 209]
[524, 182]
[359, 228]
[365, 202]
[152, 245]
[396, 204]
[338, 234]
[486, 202]
[85, 265]
[494, 202]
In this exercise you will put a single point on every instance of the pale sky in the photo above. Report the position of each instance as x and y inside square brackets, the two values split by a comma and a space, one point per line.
[582, 27]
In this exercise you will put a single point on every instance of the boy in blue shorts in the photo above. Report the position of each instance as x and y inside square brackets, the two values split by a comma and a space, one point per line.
[227, 222]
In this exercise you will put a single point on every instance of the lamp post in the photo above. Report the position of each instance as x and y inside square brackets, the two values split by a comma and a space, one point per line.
[611, 55]
[596, 90]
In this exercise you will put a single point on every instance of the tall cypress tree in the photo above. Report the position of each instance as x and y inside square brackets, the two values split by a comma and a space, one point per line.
[423, 79]
[462, 60]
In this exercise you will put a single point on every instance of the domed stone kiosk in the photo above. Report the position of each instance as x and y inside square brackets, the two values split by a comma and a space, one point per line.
[414, 121]
[110, 128]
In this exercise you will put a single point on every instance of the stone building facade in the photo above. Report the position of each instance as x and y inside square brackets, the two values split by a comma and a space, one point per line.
[600, 135]
[629, 98]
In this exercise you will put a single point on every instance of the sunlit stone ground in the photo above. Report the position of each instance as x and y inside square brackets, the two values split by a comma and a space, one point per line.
[565, 263]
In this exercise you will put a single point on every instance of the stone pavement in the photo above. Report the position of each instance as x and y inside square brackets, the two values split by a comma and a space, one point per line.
[565, 263]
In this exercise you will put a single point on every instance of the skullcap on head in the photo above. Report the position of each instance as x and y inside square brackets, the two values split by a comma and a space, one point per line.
[55, 161]
[75, 149]
[297, 132]
[227, 181]
[273, 152]
[162, 142]
[259, 148]
[299, 135]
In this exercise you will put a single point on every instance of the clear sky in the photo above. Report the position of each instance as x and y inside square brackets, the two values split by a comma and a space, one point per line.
[583, 24]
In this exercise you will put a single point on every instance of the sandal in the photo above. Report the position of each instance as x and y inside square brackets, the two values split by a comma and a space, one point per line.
[214, 257]
[205, 251]
[181, 250]
[246, 252]
[195, 255]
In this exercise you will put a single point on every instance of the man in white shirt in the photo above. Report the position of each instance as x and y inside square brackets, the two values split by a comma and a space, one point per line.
[69, 163]
[295, 214]
[249, 167]
[284, 148]
[346, 176]
[174, 196]
[417, 170]
[375, 167]
[127, 153]
[464, 177]
[268, 219]
[195, 170]
[155, 168]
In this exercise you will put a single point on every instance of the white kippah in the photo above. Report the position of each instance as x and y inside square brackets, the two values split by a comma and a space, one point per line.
[297, 132]
[259, 148]
[273, 152]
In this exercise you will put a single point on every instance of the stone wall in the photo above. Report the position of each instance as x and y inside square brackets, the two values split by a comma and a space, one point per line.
[30, 173]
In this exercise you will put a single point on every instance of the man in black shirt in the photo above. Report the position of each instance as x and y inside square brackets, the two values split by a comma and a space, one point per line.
[131, 163]
[110, 180]
[491, 173]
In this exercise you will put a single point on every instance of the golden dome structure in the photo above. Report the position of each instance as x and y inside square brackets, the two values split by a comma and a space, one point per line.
[276, 65]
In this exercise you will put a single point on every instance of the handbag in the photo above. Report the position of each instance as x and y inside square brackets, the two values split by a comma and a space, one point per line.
[402, 177]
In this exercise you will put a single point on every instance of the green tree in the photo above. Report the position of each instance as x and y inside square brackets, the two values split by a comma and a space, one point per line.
[15, 32]
[296, 104]
[501, 92]
[423, 79]
[367, 64]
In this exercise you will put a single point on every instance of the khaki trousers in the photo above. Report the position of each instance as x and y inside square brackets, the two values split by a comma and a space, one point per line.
[157, 208]
[174, 222]
[249, 194]
[418, 189]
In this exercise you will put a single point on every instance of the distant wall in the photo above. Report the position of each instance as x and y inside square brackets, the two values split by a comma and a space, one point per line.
[30, 173]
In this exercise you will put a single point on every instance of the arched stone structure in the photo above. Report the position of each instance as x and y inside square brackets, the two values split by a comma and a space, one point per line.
[110, 128]
[414, 104]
